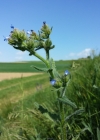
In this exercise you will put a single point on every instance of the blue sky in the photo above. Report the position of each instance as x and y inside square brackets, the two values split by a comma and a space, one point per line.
[76, 26]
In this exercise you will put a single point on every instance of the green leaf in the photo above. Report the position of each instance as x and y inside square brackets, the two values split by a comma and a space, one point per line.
[41, 69]
[95, 86]
[98, 133]
[67, 101]
[77, 112]
[46, 112]
[52, 66]
[88, 127]
[58, 89]
[52, 47]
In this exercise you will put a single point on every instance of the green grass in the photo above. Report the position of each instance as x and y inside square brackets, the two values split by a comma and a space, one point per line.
[19, 67]
[8, 83]
[27, 66]
[28, 90]
[11, 90]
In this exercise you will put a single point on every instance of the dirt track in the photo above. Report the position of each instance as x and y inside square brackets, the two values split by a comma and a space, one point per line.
[4, 76]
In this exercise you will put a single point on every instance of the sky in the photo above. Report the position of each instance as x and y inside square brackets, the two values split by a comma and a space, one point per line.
[76, 26]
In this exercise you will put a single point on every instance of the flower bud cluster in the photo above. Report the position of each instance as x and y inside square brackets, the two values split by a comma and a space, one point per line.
[18, 39]
[64, 80]
[44, 34]
[45, 31]
[30, 40]
[55, 83]
[33, 35]
[66, 77]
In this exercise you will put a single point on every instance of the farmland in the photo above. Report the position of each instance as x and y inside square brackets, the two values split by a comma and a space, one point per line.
[28, 66]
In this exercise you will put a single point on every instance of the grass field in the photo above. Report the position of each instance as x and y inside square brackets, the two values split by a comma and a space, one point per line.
[27, 66]
[18, 95]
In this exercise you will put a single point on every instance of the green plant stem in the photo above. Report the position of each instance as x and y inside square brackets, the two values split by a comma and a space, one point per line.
[63, 128]
[47, 54]
[45, 61]
[62, 117]
[41, 58]
[61, 105]
[51, 74]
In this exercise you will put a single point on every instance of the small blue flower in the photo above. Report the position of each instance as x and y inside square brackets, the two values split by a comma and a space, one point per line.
[28, 32]
[12, 26]
[67, 72]
[44, 23]
[32, 30]
[6, 38]
[52, 82]
[11, 32]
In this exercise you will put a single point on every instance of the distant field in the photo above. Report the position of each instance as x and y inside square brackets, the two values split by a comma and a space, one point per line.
[19, 67]
[27, 66]
[6, 75]
[24, 69]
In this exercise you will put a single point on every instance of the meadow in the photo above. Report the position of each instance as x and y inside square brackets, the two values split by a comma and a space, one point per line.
[27, 66]
[20, 97]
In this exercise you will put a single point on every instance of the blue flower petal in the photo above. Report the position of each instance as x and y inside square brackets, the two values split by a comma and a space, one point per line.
[12, 26]
[44, 22]
[67, 72]
[32, 30]
[28, 32]
[53, 82]
[6, 38]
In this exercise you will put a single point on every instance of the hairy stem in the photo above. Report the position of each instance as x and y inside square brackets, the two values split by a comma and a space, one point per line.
[62, 116]
[47, 54]
[41, 58]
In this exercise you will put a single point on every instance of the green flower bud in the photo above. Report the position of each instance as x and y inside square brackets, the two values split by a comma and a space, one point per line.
[37, 37]
[24, 44]
[43, 36]
[30, 44]
[36, 44]
[11, 41]
[42, 44]
[34, 35]
[58, 84]
[67, 78]
[46, 30]
[51, 47]
[48, 43]
[22, 35]
[18, 36]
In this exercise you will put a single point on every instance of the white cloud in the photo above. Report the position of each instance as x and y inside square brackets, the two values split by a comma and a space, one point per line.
[19, 55]
[83, 54]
